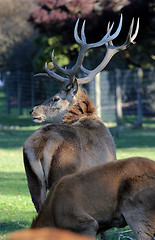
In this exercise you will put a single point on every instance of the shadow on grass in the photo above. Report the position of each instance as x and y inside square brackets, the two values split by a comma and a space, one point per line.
[23, 127]
[14, 120]
[6, 227]
[134, 138]
[13, 184]
[12, 138]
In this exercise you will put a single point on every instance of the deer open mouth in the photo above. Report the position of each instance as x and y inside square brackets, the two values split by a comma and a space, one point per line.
[38, 119]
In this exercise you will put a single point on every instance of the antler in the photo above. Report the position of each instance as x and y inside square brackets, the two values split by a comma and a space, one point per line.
[84, 47]
[70, 73]
[111, 51]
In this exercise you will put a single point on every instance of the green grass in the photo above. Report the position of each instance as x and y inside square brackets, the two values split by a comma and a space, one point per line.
[16, 208]
[136, 142]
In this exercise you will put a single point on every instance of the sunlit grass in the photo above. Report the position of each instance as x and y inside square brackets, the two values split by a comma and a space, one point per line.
[132, 152]
[16, 208]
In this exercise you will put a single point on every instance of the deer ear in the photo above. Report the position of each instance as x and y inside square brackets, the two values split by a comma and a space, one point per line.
[72, 90]
[75, 86]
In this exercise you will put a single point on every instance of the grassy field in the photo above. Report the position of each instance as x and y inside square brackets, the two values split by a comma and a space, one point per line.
[16, 208]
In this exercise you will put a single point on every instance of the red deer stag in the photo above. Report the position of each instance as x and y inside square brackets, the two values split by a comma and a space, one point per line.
[114, 194]
[46, 234]
[81, 140]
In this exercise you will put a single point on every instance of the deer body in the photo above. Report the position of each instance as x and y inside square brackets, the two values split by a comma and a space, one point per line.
[55, 150]
[114, 194]
[79, 139]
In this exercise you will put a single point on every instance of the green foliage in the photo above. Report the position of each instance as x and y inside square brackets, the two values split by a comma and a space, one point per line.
[46, 45]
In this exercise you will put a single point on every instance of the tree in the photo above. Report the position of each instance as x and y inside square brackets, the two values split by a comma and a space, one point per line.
[56, 19]
[16, 35]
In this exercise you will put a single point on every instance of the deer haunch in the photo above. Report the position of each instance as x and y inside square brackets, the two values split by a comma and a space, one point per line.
[55, 150]
[114, 194]
[46, 234]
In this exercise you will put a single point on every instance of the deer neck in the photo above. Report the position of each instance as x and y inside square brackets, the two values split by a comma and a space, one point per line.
[82, 108]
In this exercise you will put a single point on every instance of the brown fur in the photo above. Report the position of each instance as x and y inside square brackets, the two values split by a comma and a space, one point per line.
[114, 194]
[56, 150]
[84, 108]
[46, 234]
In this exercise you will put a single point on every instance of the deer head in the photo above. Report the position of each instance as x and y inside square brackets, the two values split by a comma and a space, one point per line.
[55, 108]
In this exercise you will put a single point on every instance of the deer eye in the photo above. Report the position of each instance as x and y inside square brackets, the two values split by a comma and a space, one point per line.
[56, 99]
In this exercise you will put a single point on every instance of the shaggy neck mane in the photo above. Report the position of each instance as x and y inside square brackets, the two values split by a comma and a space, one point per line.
[82, 108]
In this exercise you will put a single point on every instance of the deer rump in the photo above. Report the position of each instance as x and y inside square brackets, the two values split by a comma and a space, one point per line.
[114, 194]
[56, 150]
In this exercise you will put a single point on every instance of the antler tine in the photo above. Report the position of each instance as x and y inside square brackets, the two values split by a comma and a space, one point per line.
[41, 75]
[110, 42]
[55, 76]
[111, 50]
[130, 38]
[136, 31]
[62, 70]
[83, 37]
